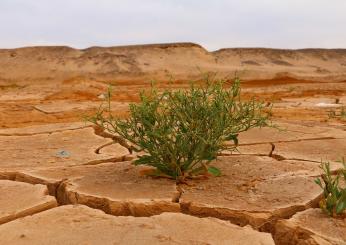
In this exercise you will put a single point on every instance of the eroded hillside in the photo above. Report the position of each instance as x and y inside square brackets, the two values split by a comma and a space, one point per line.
[181, 60]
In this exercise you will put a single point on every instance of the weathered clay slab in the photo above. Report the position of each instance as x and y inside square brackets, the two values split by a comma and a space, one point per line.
[310, 227]
[313, 150]
[310, 102]
[20, 95]
[288, 132]
[66, 148]
[256, 149]
[82, 225]
[285, 104]
[65, 106]
[117, 188]
[252, 190]
[43, 129]
[19, 199]
[313, 100]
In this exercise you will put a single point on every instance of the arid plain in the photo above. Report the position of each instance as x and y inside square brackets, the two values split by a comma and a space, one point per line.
[57, 188]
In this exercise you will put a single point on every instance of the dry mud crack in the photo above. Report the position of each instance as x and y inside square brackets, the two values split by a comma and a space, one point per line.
[21, 199]
[116, 188]
[332, 150]
[66, 148]
[289, 132]
[310, 227]
[72, 106]
[78, 224]
[255, 189]
[43, 129]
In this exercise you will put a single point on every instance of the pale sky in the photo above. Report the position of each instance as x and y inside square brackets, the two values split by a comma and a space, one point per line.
[212, 23]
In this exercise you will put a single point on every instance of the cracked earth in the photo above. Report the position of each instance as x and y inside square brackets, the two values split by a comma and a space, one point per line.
[62, 182]
[58, 175]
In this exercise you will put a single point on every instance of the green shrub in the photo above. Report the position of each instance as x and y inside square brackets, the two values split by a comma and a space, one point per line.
[182, 131]
[334, 196]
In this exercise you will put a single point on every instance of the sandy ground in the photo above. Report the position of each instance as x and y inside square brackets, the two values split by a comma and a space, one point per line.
[48, 156]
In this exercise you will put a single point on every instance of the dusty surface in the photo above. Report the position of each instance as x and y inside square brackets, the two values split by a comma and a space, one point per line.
[21, 199]
[311, 227]
[247, 192]
[66, 106]
[80, 224]
[43, 129]
[46, 91]
[71, 147]
[332, 150]
[117, 188]
[290, 132]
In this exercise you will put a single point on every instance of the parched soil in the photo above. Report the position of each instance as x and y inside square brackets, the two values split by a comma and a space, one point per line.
[59, 185]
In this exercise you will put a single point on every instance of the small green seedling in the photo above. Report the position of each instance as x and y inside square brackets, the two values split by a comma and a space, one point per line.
[334, 195]
[181, 132]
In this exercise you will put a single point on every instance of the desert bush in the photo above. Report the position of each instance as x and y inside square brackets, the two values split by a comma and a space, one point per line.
[334, 195]
[182, 131]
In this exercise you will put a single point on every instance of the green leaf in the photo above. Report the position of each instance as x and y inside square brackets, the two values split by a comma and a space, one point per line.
[233, 137]
[214, 171]
[340, 207]
[209, 158]
[318, 181]
[143, 160]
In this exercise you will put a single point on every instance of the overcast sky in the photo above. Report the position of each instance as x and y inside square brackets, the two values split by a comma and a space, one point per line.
[212, 23]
